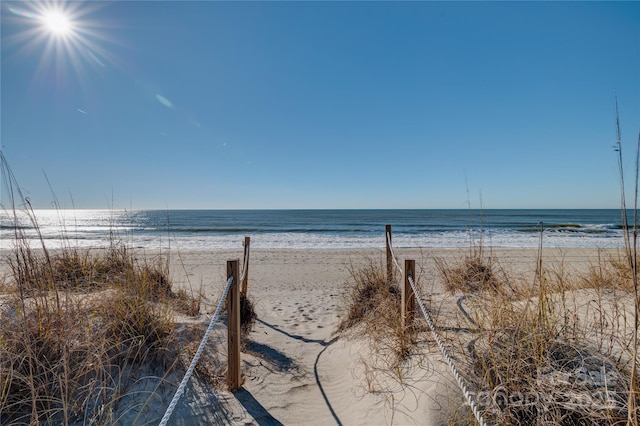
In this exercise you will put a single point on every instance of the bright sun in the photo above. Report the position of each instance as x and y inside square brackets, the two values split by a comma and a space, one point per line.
[66, 33]
[57, 23]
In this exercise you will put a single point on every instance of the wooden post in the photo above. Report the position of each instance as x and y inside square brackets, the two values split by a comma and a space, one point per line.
[244, 285]
[408, 297]
[387, 237]
[234, 379]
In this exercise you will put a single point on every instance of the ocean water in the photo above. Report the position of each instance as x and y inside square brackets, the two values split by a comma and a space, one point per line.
[315, 229]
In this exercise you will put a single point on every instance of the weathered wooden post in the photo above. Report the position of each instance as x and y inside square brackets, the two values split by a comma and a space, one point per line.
[244, 286]
[234, 379]
[389, 254]
[408, 301]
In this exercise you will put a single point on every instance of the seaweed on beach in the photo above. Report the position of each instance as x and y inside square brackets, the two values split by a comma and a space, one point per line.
[248, 315]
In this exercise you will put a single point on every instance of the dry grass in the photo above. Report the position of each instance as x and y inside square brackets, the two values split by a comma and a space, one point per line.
[611, 272]
[473, 274]
[211, 366]
[78, 331]
[369, 291]
[373, 312]
[560, 356]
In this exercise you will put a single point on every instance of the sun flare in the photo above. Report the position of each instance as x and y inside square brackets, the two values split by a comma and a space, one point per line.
[57, 23]
[68, 35]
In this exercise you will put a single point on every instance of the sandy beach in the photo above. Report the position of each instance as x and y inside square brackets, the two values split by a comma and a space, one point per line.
[298, 371]
[489, 144]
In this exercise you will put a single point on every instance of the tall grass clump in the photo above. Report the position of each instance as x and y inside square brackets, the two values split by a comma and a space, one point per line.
[563, 351]
[74, 329]
[630, 232]
[80, 329]
[475, 273]
[373, 311]
[560, 355]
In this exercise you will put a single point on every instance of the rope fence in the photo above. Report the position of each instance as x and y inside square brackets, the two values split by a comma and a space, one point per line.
[245, 268]
[232, 293]
[194, 361]
[409, 295]
[390, 249]
[447, 357]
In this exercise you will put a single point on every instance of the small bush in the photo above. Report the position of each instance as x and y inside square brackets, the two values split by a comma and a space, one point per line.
[370, 294]
[474, 274]
[373, 311]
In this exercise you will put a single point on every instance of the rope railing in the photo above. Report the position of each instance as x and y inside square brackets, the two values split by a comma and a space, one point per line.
[196, 357]
[447, 357]
[245, 267]
[393, 255]
[432, 327]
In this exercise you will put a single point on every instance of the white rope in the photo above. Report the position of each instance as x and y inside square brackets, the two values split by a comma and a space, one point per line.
[196, 357]
[393, 255]
[463, 386]
[244, 266]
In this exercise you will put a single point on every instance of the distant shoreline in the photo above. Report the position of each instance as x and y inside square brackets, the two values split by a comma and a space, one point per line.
[319, 229]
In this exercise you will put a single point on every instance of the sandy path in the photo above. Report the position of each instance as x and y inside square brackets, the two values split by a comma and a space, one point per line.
[297, 372]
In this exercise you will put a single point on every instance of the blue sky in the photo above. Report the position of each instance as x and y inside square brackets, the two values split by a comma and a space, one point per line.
[157, 104]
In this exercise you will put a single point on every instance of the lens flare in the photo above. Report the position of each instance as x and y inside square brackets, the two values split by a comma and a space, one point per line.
[164, 101]
[69, 37]
[57, 23]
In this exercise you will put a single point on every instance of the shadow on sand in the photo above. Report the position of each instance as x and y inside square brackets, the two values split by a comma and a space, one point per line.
[325, 345]
[253, 407]
[277, 359]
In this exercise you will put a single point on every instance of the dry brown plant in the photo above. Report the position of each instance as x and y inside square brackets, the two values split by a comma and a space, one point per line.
[373, 312]
[83, 333]
[560, 355]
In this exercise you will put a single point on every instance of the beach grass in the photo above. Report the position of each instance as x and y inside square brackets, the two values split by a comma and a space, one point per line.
[372, 305]
[555, 347]
[80, 328]
[558, 351]
[74, 328]
[86, 336]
